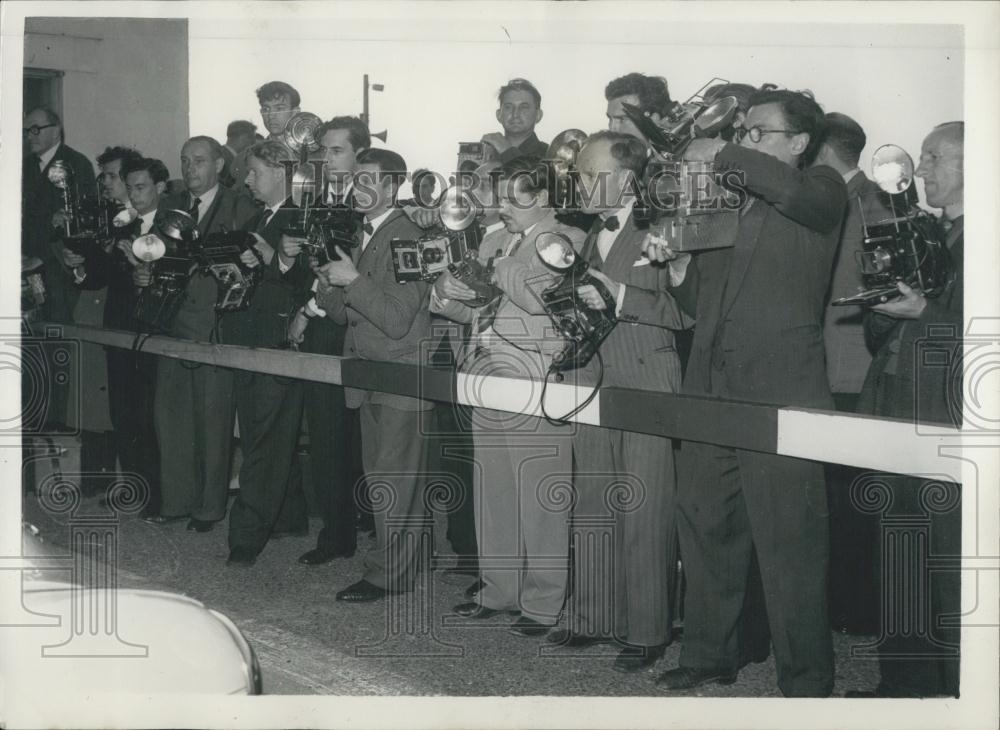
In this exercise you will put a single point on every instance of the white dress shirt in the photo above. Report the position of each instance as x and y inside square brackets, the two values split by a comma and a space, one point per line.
[46, 157]
[206, 199]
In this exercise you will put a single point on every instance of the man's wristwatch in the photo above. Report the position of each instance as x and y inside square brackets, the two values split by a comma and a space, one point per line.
[304, 310]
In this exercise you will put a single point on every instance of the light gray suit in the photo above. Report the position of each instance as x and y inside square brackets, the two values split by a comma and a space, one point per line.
[388, 321]
[625, 481]
[522, 462]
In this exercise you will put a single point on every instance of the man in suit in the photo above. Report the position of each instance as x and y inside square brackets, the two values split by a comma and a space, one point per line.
[853, 534]
[334, 429]
[241, 135]
[517, 455]
[278, 103]
[193, 409]
[269, 407]
[628, 595]
[41, 222]
[520, 109]
[386, 321]
[758, 341]
[131, 375]
[912, 336]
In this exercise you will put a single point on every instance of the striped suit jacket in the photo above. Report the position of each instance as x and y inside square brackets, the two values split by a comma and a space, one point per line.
[640, 352]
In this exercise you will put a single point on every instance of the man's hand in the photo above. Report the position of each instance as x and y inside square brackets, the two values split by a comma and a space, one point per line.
[291, 246]
[703, 150]
[297, 328]
[72, 260]
[59, 218]
[658, 249]
[448, 287]
[338, 273]
[263, 251]
[142, 275]
[589, 294]
[909, 306]
[423, 217]
[497, 141]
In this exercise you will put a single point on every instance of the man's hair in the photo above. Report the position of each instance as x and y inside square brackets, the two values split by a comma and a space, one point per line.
[275, 89]
[156, 169]
[240, 128]
[212, 142]
[531, 172]
[520, 85]
[389, 163]
[653, 93]
[357, 131]
[125, 154]
[271, 152]
[627, 151]
[845, 138]
[802, 114]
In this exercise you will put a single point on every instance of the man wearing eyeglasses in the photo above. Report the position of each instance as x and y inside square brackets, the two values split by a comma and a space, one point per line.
[41, 222]
[759, 338]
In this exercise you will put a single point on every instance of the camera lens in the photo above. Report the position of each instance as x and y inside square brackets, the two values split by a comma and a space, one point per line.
[433, 255]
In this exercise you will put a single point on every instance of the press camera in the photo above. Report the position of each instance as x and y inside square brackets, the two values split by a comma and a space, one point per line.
[583, 328]
[171, 254]
[908, 247]
[87, 221]
[452, 246]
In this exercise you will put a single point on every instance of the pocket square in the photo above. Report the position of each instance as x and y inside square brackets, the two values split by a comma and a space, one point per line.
[641, 261]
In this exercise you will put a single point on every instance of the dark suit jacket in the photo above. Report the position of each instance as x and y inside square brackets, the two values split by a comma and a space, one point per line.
[531, 147]
[927, 388]
[265, 322]
[640, 351]
[230, 211]
[759, 305]
[847, 356]
[386, 320]
[40, 199]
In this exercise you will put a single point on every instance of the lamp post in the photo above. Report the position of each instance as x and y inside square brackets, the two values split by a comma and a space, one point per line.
[365, 114]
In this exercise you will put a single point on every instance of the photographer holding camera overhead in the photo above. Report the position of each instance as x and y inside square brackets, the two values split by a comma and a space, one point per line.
[916, 374]
[758, 337]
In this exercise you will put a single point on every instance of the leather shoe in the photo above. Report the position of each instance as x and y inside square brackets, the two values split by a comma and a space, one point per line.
[361, 592]
[163, 519]
[200, 525]
[475, 610]
[474, 588]
[689, 678]
[319, 556]
[525, 626]
[565, 637]
[241, 557]
[636, 658]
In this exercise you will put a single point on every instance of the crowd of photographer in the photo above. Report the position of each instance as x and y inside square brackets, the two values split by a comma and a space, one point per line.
[728, 247]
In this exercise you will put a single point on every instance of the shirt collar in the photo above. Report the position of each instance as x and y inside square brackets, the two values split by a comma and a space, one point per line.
[622, 215]
[376, 222]
[851, 173]
[206, 197]
[46, 157]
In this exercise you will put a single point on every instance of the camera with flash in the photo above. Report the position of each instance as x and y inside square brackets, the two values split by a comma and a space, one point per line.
[583, 328]
[908, 246]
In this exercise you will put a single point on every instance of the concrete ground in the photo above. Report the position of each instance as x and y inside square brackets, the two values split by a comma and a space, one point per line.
[308, 643]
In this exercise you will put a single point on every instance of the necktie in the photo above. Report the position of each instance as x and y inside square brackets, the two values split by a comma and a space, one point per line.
[368, 228]
[194, 209]
[611, 223]
[264, 220]
[515, 244]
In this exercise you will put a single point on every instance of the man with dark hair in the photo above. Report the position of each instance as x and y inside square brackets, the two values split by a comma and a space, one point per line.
[269, 408]
[627, 595]
[854, 535]
[278, 103]
[334, 429]
[649, 93]
[194, 410]
[916, 375]
[522, 537]
[760, 342]
[240, 135]
[519, 111]
[41, 224]
[387, 321]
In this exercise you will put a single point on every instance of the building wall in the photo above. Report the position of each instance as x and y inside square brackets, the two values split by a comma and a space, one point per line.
[125, 82]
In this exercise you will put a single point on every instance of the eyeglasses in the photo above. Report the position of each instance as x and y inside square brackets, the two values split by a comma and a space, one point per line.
[756, 133]
[34, 130]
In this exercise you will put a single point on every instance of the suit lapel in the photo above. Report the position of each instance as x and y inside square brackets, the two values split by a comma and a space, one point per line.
[382, 234]
[746, 242]
[624, 251]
